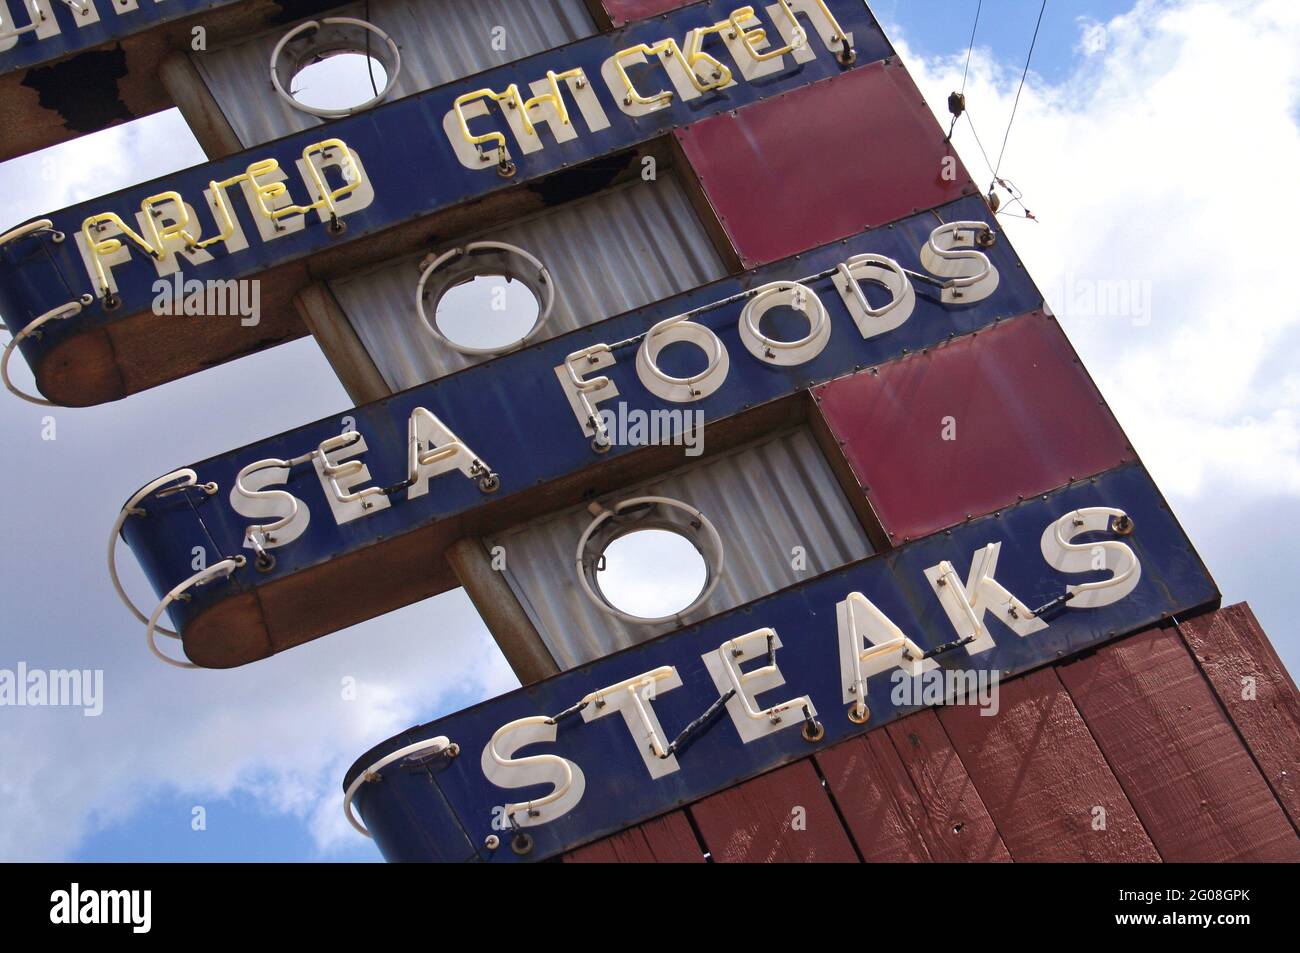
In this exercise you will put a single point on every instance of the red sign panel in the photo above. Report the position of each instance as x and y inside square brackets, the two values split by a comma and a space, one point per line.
[823, 162]
[625, 11]
[972, 426]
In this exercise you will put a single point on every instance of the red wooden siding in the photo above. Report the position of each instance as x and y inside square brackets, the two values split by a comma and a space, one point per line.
[960, 827]
[1136, 728]
[1229, 646]
[625, 11]
[1025, 418]
[783, 179]
[1179, 759]
[665, 840]
[891, 816]
[759, 821]
[883, 812]
[1041, 775]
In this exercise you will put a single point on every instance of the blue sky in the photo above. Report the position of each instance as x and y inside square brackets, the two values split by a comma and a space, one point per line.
[1138, 128]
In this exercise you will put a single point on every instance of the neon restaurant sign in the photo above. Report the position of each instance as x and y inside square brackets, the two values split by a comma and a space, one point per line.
[97, 262]
[664, 723]
[294, 504]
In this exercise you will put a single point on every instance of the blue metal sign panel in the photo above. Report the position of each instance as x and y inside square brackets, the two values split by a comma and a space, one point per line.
[515, 416]
[59, 29]
[304, 194]
[509, 776]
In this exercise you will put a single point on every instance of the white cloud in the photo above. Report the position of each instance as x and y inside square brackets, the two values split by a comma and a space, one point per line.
[1162, 164]
[1165, 162]
[1092, 36]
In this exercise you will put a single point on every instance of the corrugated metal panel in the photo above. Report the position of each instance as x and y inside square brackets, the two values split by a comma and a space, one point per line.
[972, 425]
[440, 41]
[764, 500]
[606, 254]
[828, 160]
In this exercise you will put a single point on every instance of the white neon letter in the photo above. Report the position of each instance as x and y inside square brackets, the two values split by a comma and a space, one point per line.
[341, 473]
[566, 778]
[435, 450]
[870, 643]
[1069, 557]
[632, 699]
[724, 666]
[967, 604]
[585, 393]
[249, 497]
[951, 253]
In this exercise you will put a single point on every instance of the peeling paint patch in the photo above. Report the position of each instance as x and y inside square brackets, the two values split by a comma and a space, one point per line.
[83, 89]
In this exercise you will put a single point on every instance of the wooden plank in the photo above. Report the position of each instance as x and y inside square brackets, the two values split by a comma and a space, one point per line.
[338, 341]
[664, 840]
[957, 824]
[882, 810]
[782, 816]
[501, 611]
[1230, 647]
[1041, 775]
[1185, 770]
[187, 89]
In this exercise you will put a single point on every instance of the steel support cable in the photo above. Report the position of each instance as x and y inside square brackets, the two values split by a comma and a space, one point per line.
[370, 63]
[131, 508]
[961, 96]
[1016, 105]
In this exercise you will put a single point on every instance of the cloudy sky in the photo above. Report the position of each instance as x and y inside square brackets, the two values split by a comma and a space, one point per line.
[1156, 143]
